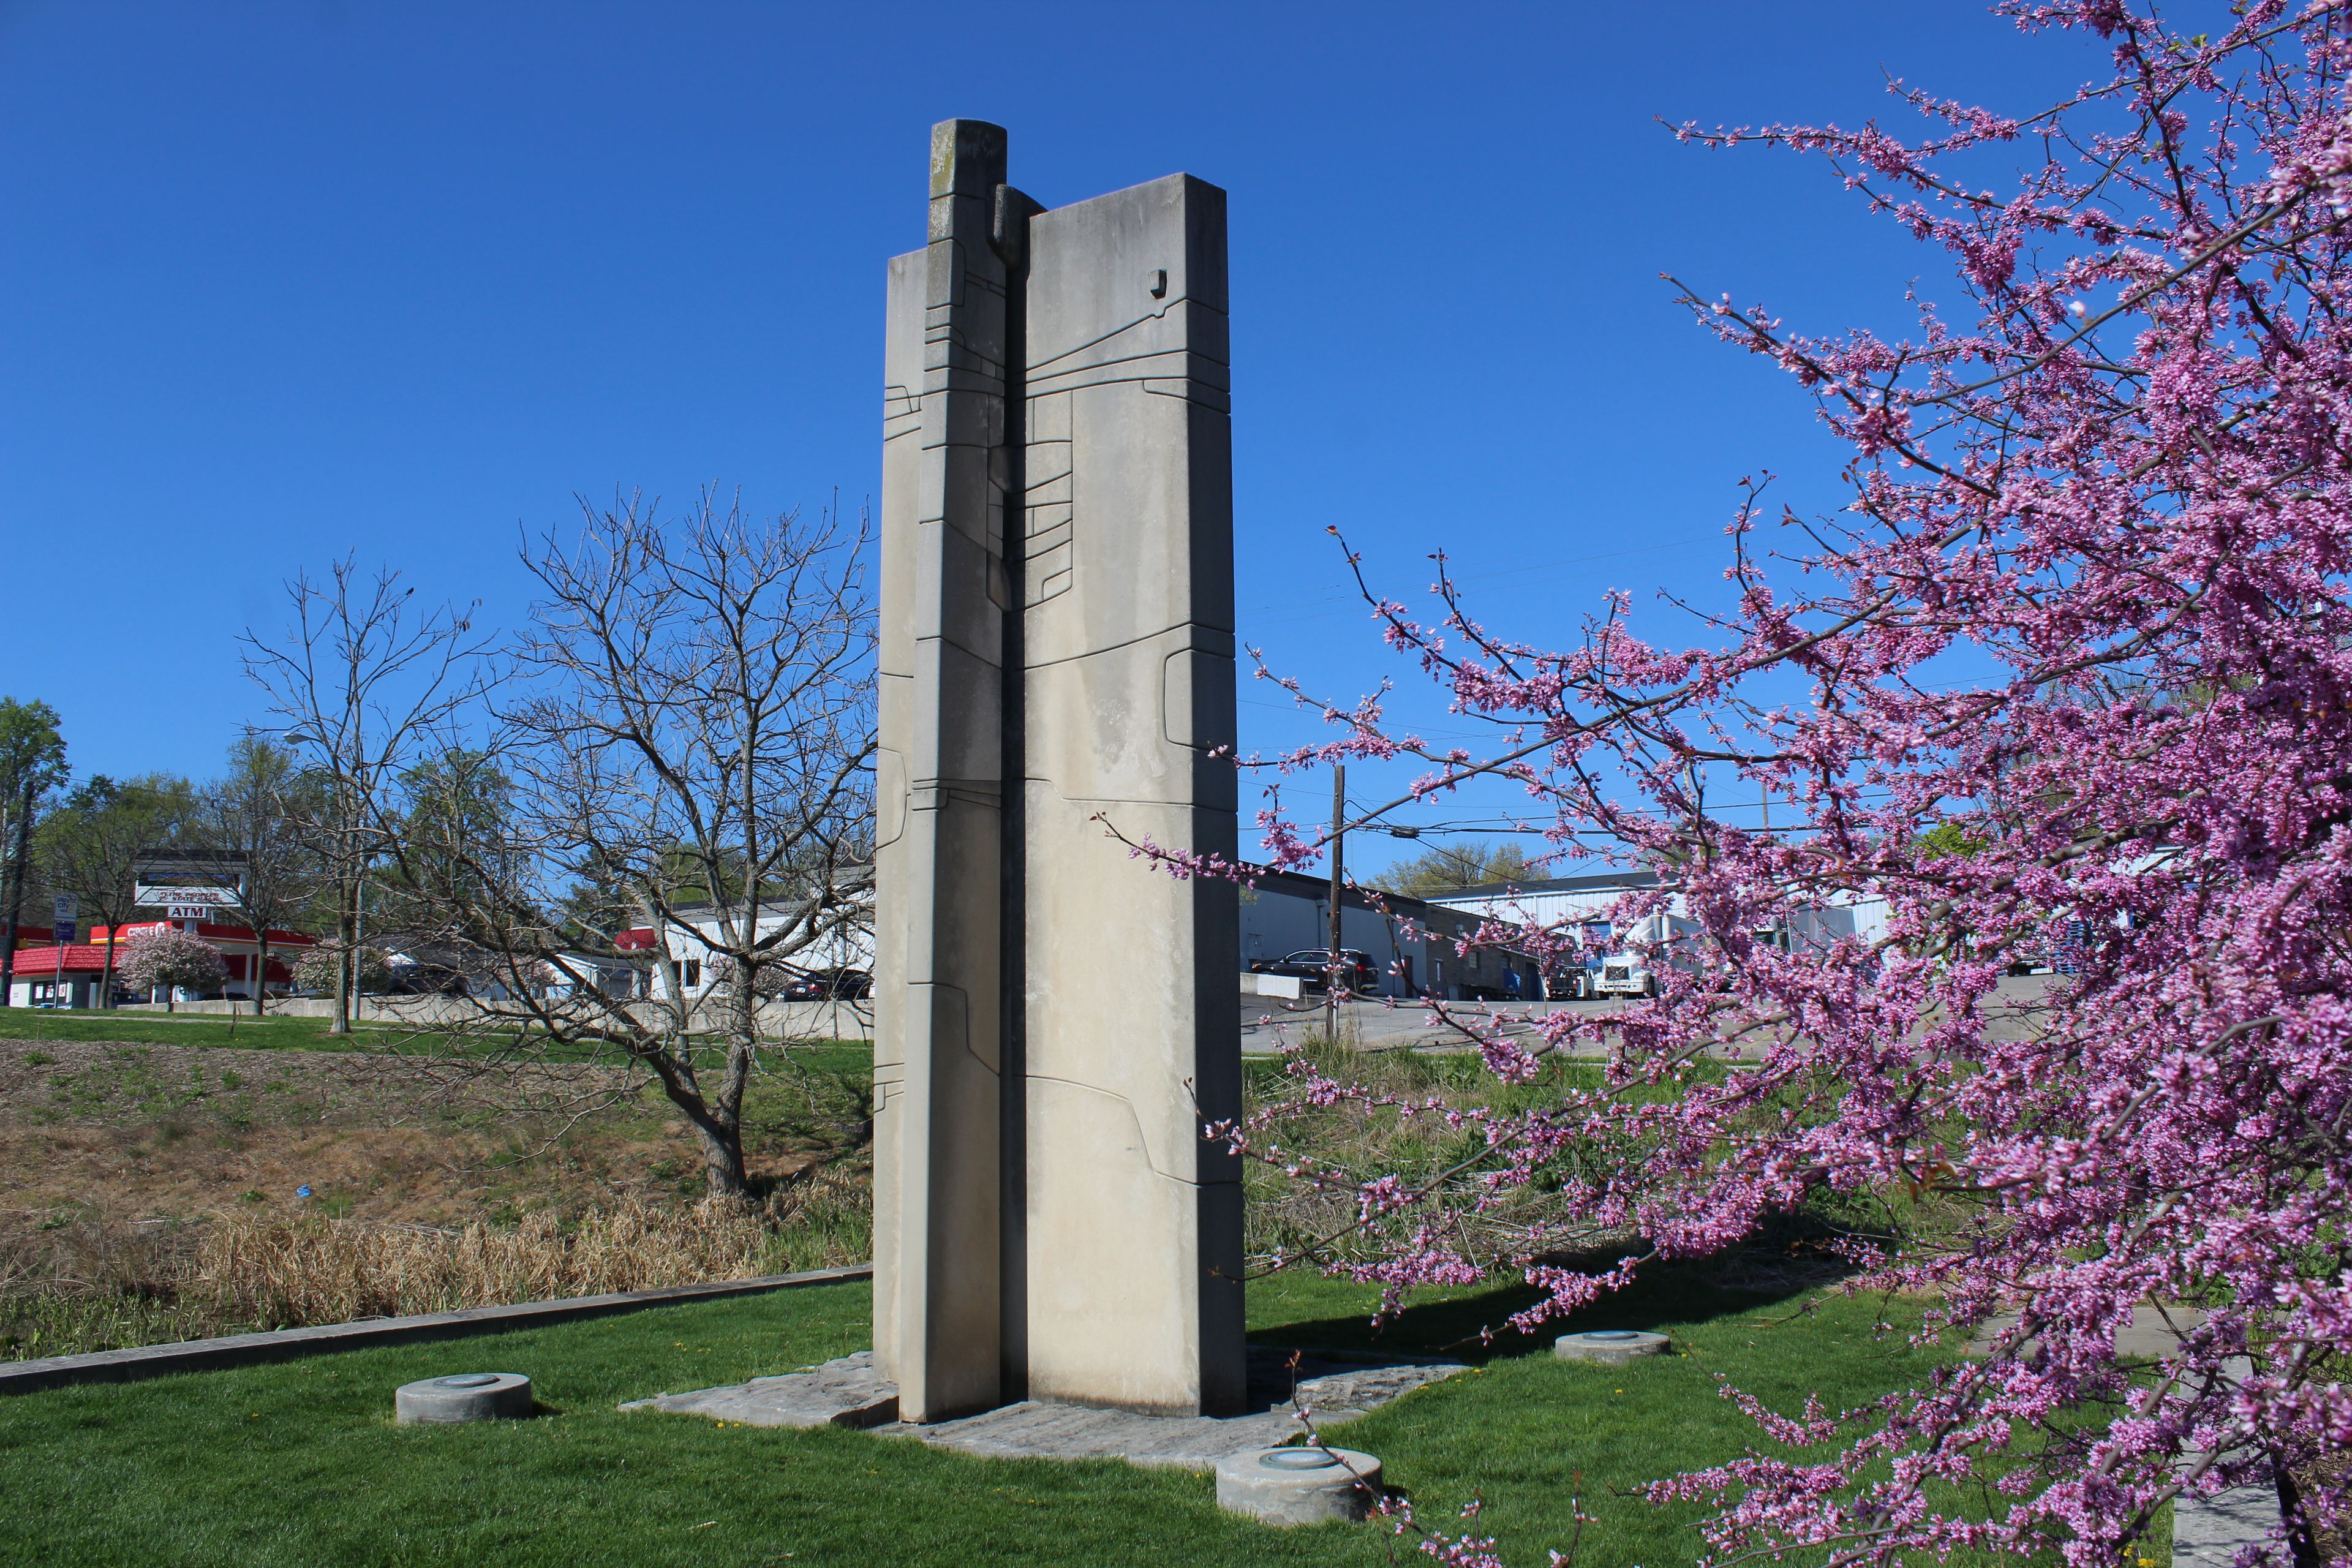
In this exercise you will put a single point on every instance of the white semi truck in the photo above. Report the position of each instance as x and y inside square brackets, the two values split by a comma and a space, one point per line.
[1630, 967]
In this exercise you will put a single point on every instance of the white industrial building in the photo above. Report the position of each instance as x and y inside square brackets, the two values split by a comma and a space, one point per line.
[1557, 902]
[691, 937]
[1415, 944]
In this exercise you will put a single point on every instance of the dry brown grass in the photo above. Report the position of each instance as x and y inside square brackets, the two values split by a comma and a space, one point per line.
[95, 1286]
[310, 1270]
[150, 1193]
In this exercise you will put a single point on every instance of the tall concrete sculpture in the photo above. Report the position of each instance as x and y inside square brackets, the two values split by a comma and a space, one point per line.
[1055, 1022]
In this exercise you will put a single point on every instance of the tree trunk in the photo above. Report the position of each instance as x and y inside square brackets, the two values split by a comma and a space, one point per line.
[717, 1129]
[722, 1156]
[346, 961]
[260, 969]
[726, 1176]
[2304, 1551]
[19, 857]
[106, 966]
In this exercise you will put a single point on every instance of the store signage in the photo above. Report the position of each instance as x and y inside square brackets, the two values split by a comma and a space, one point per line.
[173, 900]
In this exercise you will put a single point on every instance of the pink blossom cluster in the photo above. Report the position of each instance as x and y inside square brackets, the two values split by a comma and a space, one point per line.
[2067, 685]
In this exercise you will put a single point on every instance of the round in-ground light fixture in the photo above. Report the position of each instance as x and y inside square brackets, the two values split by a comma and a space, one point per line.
[1298, 1486]
[1296, 1459]
[463, 1396]
[1608, 1347]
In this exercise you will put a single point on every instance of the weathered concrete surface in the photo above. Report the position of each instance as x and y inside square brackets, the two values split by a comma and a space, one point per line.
[456, 1398]
[1131, 1023]
[939, 796]
[1383, 1024]
[1609, 1347]
[2151, 1335]
[846, 1391]
[1299, 1485]
[2207, 1532]
[1055, 1021]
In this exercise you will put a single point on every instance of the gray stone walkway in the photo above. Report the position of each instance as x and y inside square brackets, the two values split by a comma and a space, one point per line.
[847, 1393]
[2208, 1531]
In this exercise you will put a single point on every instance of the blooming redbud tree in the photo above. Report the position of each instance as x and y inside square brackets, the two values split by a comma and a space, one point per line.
[165, 957]
[2069, 679]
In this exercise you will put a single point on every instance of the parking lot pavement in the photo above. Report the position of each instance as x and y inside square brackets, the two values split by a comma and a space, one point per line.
[1386, 1025]
[2019, 1005]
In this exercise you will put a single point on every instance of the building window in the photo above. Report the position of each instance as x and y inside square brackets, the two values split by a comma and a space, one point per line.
[693, 973]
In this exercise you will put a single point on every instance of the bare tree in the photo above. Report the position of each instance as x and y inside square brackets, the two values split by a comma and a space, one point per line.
[687, 750]
[358, 681]
[261, 812]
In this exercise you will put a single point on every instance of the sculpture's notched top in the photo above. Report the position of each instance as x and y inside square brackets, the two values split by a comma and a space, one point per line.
[968, 158]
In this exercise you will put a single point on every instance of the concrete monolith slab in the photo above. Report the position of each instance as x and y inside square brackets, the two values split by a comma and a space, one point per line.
[463, 1396]
[1130, 1023]
[938, 1092]
[1609, 1347]
[1299, 1485]
[1056, 1021]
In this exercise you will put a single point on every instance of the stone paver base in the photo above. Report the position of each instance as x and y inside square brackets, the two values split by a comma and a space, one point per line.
[2208, 1531]
[848, 1392]
[843, 1392]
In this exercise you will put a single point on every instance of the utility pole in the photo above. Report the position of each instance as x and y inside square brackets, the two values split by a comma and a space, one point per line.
[1338, 869]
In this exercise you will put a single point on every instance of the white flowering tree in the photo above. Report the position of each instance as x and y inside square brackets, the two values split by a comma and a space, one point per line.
[167, 957]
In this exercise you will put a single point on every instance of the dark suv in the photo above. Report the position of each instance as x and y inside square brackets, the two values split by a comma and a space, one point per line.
[829, 985]
[1312, 965]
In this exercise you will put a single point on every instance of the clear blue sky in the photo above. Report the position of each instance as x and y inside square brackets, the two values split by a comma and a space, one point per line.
[280, 281]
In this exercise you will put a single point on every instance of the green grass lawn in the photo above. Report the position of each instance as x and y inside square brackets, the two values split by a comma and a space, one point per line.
[241, 1030]
[300, 1464]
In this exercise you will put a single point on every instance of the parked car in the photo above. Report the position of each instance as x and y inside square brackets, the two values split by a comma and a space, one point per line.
[1575, 983]
[829, 985]
[1312, 965]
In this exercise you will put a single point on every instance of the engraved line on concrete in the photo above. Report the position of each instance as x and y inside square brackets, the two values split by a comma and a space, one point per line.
[1160, 314]
[1078, 381]
[1058, 378]
[1148, 637]
[1142, 1138]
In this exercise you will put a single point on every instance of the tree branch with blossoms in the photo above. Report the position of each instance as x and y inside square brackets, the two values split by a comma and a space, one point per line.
[2112, 494]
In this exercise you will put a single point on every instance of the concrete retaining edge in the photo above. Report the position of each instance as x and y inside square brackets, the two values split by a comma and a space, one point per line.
[287, 1344]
